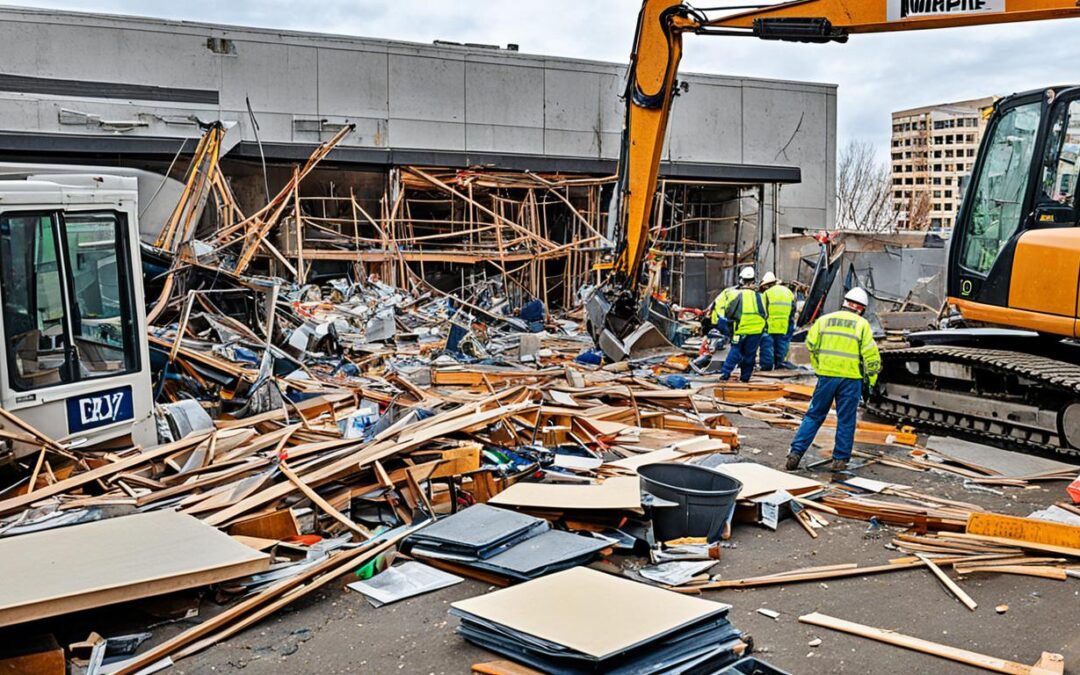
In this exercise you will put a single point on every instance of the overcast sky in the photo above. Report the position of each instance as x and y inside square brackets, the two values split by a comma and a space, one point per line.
[876, 73]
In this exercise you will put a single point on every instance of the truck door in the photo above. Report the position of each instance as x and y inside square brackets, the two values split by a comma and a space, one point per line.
[73, 361]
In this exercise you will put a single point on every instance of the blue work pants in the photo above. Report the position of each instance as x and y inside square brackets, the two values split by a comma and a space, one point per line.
[774, 350]
[847, 393]
[743, 354]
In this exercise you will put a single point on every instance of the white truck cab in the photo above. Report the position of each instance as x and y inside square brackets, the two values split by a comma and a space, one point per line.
[76, 362]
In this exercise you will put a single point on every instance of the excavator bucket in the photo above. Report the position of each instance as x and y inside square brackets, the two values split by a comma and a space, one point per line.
[646, 341]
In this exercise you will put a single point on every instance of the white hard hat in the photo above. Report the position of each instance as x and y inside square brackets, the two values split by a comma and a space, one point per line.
[748, 274]
[857, 296]
[769, 278]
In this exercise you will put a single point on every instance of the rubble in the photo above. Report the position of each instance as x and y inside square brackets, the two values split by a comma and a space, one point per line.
[329, 425]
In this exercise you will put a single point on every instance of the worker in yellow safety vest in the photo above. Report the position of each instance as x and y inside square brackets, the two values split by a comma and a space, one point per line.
[718, 316]
[844, 356]
[747, 313]
[781, 322]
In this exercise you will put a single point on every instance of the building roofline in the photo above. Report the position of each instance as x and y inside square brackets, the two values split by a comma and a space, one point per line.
[355, 41]
[155, 148]
[972, 104]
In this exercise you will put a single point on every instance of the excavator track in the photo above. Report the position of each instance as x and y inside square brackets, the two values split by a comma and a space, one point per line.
[1005, 398]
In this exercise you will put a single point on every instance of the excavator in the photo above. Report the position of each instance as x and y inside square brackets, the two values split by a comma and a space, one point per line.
[1011, 374]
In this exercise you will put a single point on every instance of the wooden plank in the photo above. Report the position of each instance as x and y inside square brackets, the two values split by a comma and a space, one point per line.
[277, 525]
[916, 644]
[256, 607]
[86, 477]
[39, 655]
[1019, 543]
[412, 438]
[69, 569]
[1024, 529]
[805, 576]
[1055, 573]
[949, 583]
[326, 507]
[503, 668]
[839, 572]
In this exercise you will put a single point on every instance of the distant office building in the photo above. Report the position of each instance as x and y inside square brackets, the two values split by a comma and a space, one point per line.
[933, 150]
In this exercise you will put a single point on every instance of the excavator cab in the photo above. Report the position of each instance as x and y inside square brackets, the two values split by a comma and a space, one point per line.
[75, 363]
[1015, 255]
[1012, 375]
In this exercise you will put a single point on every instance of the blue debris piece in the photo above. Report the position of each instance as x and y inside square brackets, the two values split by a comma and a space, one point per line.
[590, 357]
[674, 382]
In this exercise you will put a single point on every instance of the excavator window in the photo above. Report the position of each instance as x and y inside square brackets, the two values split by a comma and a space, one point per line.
[997, 206]
[1061, 165]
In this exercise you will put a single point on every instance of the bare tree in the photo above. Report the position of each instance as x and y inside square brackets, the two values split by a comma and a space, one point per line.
[863, 190]
[918, 211]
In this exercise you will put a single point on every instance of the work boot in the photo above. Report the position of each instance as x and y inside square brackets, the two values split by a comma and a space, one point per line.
[792, 461]
[839, 465]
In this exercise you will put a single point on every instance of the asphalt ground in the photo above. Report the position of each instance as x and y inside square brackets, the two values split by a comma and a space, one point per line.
[337, 631]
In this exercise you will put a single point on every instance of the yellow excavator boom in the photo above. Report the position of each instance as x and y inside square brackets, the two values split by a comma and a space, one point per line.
[651, 87]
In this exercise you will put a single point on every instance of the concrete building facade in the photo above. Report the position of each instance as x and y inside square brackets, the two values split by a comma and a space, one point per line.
[114, 89]
[933, 149]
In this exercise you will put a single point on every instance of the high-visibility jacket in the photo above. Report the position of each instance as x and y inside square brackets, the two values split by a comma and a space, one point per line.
[720, 305]
[842, 344]
[747, 312]
[781, 304]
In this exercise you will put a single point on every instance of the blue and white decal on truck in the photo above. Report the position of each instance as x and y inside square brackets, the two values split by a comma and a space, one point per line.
[100, 409]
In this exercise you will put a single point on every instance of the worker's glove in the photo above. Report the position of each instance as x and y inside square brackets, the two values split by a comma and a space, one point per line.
[867, 389]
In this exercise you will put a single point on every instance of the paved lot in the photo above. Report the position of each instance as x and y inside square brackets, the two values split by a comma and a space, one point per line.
[338, 632]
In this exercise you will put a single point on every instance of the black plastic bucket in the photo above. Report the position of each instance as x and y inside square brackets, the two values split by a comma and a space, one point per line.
[705, 497]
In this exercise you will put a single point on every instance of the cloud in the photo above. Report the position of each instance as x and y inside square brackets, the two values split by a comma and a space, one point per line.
[876, 73]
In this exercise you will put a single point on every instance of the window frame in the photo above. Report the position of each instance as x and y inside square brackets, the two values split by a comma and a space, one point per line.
[965, 215]
[126, 298]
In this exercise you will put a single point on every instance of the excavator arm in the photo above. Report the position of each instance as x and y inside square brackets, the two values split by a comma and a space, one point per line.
[617, 311]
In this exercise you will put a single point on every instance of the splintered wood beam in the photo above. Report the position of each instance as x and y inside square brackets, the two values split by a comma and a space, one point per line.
[102, 472]
[949, 583]
[935, 649]
[326, 507]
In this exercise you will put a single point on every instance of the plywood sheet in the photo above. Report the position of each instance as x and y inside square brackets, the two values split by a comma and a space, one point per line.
[758, 480]
[614, 493]
[644, 459]
[73, 568]
[1003, 462]
[594, 613]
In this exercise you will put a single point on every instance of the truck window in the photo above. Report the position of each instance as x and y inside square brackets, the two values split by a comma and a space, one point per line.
[999, 189]
[65, 282]
[101, 316]
[34, 314]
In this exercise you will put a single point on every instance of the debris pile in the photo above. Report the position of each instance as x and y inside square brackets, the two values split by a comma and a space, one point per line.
[319, 427]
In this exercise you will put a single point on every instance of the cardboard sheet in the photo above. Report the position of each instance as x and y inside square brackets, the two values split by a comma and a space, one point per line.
[594, 613]
[73, 568]
[612, 494]
[758, 480]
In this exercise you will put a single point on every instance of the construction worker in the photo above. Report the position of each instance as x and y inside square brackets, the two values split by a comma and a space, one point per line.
[747, 312]
[844, 356]
[718, 316]
[781, 322]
